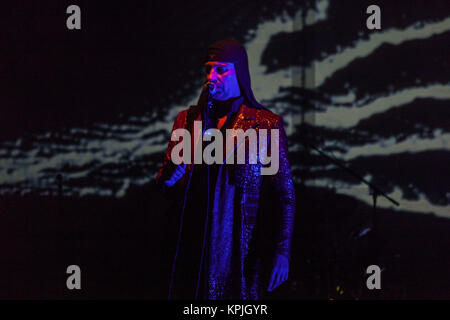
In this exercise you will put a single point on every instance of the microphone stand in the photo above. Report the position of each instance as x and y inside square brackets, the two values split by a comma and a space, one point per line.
[206, 118]
[205, 115]
[373, 190]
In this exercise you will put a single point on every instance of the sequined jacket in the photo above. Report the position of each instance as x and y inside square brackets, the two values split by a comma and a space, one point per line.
[256, 195]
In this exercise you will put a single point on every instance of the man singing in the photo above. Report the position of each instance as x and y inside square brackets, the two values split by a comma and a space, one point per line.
[235, 224]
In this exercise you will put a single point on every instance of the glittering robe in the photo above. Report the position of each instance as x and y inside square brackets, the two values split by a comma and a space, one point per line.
[251, 215]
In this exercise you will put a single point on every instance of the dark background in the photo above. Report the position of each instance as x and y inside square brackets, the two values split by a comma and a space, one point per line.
[122, 73]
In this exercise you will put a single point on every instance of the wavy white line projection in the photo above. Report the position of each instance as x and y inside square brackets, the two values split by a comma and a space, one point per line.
[390, 147]
[347, 117]
[363, 48]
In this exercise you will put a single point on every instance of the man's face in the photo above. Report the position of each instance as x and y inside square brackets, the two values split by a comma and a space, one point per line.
[223, 75]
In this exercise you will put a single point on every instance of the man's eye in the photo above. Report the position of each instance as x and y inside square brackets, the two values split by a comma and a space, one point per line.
[220, 70]
[207, 70]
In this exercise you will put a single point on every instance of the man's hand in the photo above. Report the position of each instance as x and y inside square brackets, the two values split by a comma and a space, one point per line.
[280, 272]
[177, 174]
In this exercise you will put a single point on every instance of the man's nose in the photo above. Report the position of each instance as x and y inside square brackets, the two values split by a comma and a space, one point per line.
[212, 75]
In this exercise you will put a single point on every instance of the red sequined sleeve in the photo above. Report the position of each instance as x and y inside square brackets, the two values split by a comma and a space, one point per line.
[168, 166]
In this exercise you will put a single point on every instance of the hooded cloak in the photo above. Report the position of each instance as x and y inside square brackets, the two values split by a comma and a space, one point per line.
[230, 50]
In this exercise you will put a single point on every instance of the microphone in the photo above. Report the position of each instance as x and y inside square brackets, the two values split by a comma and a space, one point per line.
[211, 90]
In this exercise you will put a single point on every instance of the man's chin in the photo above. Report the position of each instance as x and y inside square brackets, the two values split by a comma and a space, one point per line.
[219, 96]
